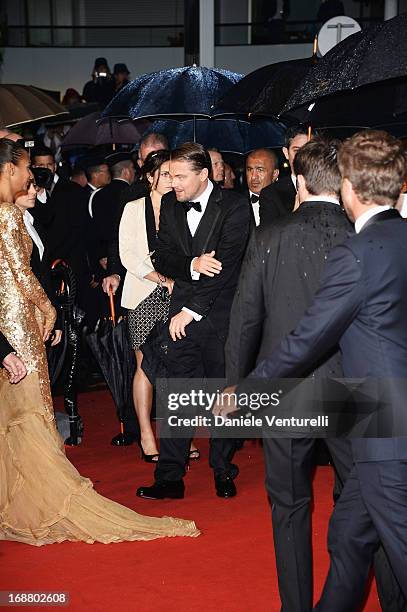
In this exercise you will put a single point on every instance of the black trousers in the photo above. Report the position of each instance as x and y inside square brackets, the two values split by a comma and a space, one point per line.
[289, 469]
[199, 355]
[372, 509]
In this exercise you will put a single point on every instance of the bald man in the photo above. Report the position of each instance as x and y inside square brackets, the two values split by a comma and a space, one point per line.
[261, 171]
[5, 133]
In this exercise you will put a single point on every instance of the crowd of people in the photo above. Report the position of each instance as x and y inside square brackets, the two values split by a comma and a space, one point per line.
[266, 279]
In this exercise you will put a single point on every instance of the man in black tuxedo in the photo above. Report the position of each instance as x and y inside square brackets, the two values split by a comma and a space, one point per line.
[64, 219]
[278, 199]
[261, 171]
[198, 221]
[10, 361]
[279, 278]
[361, 304]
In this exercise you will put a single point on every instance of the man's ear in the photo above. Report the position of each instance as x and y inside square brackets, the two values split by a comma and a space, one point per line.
[276, 172]
[285, 151]
[139, 163]
[204, 174]
[301, 182]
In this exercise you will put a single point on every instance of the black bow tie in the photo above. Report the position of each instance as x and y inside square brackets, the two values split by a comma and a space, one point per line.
[254, 198]
[188, 205]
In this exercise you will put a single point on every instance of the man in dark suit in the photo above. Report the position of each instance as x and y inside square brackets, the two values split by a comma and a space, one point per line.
[279, 278]
[65, 219]
[278, 199]
[261, 171]
[361, 304]
[10, 361]
[197, 221]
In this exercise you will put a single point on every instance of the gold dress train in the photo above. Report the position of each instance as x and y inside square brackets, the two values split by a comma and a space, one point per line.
[43, 498]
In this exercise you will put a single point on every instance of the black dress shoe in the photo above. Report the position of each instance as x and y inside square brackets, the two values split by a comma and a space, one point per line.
[162, 490]
[225, 487]
[123, 439]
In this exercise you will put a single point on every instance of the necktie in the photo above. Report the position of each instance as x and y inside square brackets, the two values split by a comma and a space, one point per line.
[254, 198]
[188, 205]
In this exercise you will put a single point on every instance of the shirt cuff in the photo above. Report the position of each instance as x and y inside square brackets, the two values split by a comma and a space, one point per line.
[194, 275]
[195, 315]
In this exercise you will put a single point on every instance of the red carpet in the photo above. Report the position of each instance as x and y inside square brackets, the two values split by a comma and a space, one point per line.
[229, 568]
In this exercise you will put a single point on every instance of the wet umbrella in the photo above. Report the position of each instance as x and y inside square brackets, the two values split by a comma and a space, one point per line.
[24, 103]
[94, 131]
[181, 93]
[372, 55]
[111, 348]
[266, 90]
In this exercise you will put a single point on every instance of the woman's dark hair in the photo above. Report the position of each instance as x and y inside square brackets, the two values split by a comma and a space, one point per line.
[10, 152]
[152, 163]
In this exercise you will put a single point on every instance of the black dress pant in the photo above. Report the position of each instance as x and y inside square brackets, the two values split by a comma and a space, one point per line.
[198, 355]
[371, 509]
[289, 468]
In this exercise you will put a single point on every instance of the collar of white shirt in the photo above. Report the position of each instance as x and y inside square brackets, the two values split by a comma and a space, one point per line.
[256, 207]
[363, 219]
[29, 224]
[321, 198]
[203, 198]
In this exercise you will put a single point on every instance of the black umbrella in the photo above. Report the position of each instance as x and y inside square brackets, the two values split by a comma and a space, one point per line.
[94, 131]
[372, 55]
[111, 348]
[375, 106]
[266, 90]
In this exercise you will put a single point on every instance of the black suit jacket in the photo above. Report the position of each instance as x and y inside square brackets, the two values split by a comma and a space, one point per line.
[362, 304]
[277, 200]
[280, 275]
[5, 348]
[67, 225]
[224, 228]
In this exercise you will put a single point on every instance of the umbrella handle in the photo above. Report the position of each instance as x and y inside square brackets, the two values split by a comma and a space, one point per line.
[309, 133]
[112, 308]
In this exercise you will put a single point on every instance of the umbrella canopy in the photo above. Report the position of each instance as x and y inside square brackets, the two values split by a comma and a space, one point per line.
[375, 54]
[266, 90]
[232, 134]
[24, 103]
[378, 104]
[177, 92]
[94, 131]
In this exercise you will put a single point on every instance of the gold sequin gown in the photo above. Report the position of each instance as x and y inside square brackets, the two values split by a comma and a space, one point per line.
[43, 498]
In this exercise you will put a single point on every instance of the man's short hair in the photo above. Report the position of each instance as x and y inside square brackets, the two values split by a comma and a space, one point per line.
[41, 151]
[94, 169]
[317, 162]
[292, 132]
[118, 168]
[195, 154]
[154, 138]
[376, 164]
[270, 154]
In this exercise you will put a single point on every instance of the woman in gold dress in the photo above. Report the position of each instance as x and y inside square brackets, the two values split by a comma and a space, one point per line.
[43, 499]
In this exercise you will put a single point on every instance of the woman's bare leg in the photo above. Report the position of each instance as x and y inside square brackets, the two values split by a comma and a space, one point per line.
[143, 401]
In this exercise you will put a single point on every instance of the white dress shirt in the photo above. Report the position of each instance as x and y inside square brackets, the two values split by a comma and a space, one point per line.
[193, 219]
[321, 198]
[363, 219]
[29, 224]
[255, 206]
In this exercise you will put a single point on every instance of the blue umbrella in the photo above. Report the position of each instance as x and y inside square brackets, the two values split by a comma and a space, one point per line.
[178, 92]
[185, 97]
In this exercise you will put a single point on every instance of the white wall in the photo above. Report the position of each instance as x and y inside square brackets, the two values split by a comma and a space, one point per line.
[60, 68]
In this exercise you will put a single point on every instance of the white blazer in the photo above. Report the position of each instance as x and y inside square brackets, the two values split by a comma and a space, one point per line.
[134, 254]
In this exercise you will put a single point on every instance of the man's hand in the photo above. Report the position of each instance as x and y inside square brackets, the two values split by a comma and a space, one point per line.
[179, 323]
[226, 403]
[56, 337]
[111, 282]
[207, 264]
[15, 367]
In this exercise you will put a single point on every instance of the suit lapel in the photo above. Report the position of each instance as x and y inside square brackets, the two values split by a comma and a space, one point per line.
[184, 235]
[382, 216]
[207, 223]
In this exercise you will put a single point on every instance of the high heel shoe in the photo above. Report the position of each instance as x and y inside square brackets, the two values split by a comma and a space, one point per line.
[147, 458]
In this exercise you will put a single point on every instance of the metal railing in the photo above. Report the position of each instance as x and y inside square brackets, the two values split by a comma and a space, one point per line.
[255, 33]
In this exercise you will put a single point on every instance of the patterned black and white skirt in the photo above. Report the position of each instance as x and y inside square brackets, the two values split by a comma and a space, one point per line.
[142, 319]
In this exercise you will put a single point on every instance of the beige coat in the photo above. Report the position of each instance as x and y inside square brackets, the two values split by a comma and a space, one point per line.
[134, 254]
